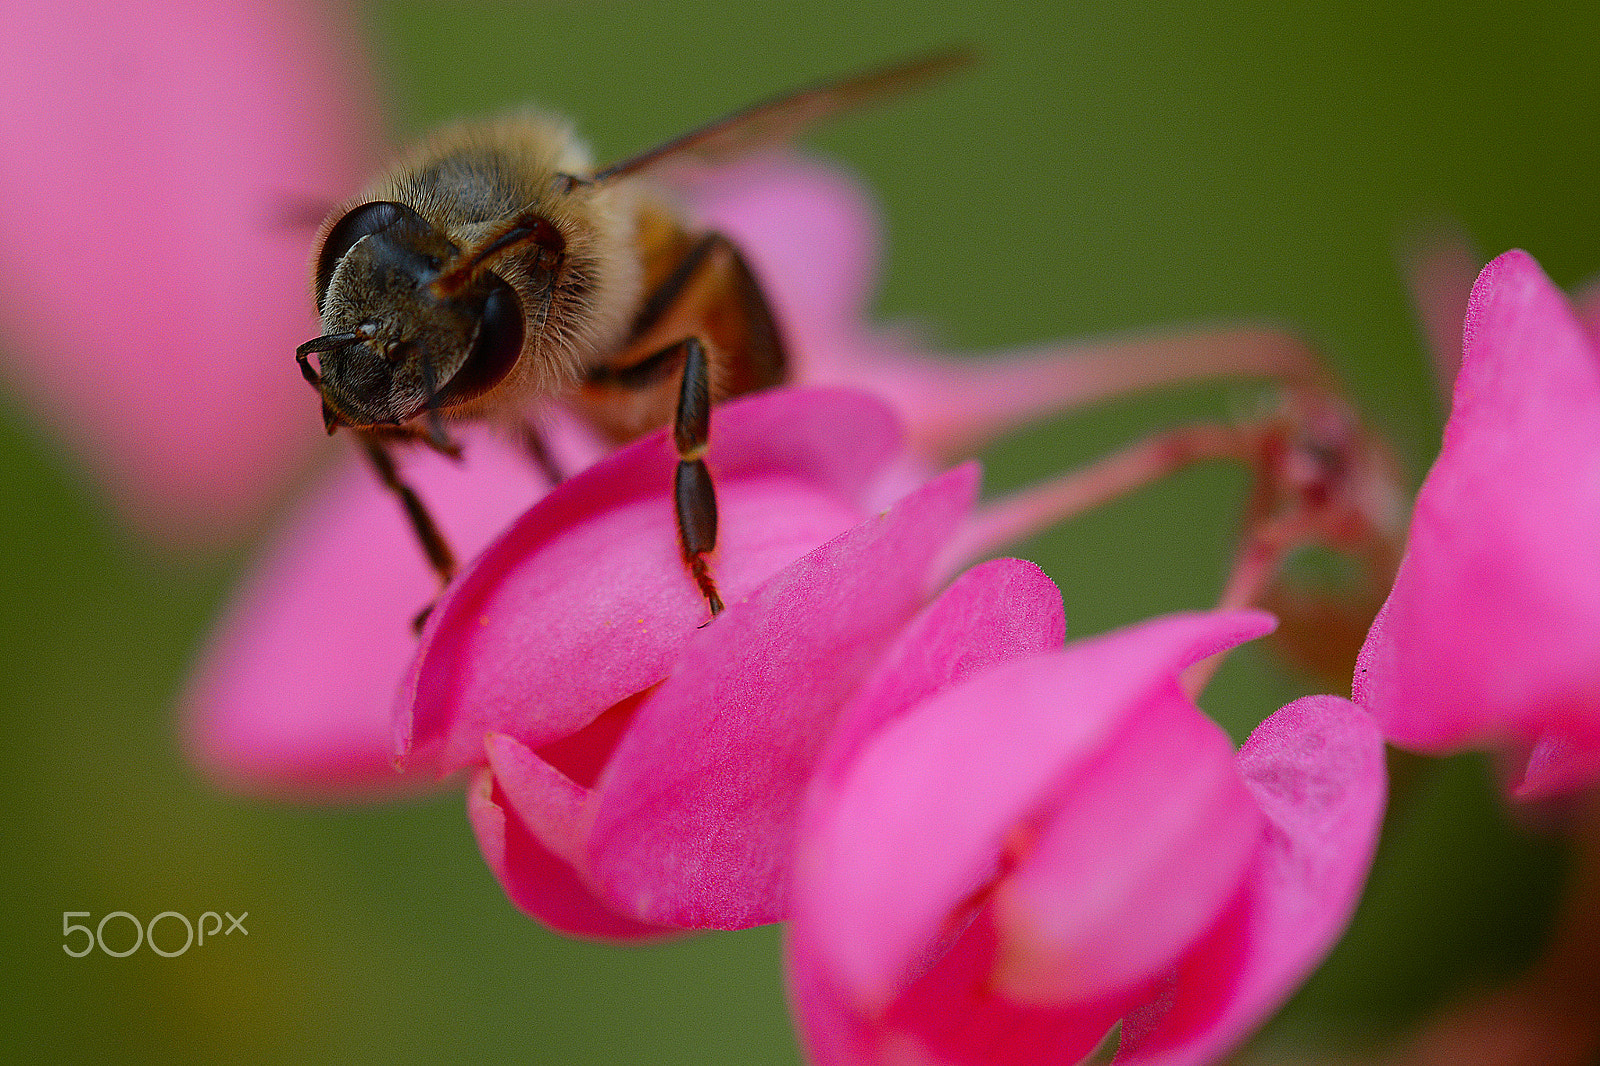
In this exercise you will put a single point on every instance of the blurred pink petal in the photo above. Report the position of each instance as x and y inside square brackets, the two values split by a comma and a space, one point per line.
[1586, 305]
[959, 900]
[1553, 765]
[1489, 637]
[1441, 269]
[295, 693]
[152, 282]
[811, 233]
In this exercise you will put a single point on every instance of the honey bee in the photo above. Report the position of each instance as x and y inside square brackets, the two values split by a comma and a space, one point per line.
[494, 266]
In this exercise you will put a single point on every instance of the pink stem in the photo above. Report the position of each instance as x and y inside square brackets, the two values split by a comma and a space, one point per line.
[1260, 556]
[1040, 506]
[963, 403]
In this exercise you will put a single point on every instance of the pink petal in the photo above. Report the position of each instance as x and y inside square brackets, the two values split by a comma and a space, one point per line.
[151, 286]
[553, 807]
[948, 1016]
[943, 787]
[997, 611]
[537, 881]
[295, 692]
[1087, 914]
[1489, 635]
[585, 600]
[696, 819]
[1316, 768]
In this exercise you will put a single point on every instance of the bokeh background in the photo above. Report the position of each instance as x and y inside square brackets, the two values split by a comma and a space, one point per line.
[1109, 166]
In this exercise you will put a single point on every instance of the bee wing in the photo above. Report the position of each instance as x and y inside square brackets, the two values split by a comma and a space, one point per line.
[783, 117]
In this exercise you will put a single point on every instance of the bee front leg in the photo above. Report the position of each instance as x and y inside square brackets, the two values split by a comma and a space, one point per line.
[434, 546]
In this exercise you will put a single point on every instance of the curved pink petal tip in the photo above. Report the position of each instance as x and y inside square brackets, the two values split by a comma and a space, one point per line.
[539, 882]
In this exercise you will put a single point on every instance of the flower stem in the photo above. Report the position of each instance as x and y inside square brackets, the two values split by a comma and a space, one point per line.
[1030, 510]
[962, 403]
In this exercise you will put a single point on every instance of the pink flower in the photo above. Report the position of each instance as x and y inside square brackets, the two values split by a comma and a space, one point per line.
[152, 283]
[635, 770]
[1491, 635]
[1008, 849]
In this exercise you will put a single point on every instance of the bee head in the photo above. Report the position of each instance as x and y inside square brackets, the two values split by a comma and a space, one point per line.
[408, 332]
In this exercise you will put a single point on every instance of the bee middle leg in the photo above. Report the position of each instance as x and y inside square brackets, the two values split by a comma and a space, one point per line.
[704, 316]
[694, 495]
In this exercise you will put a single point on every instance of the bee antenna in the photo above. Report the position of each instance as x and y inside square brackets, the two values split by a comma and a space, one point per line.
[326, 343]
[525, 229]
[319, 344]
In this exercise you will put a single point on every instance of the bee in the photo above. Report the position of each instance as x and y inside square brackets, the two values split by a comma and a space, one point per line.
[494, 267]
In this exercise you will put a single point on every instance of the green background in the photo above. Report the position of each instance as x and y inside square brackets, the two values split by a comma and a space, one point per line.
[1109, 166]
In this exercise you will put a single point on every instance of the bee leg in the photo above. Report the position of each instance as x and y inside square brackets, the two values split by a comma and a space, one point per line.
[694, 496]
[533, 443]
[434, 546]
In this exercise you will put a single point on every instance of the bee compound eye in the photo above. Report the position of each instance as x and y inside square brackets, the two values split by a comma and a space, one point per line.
[495, 349]
[361, 221]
